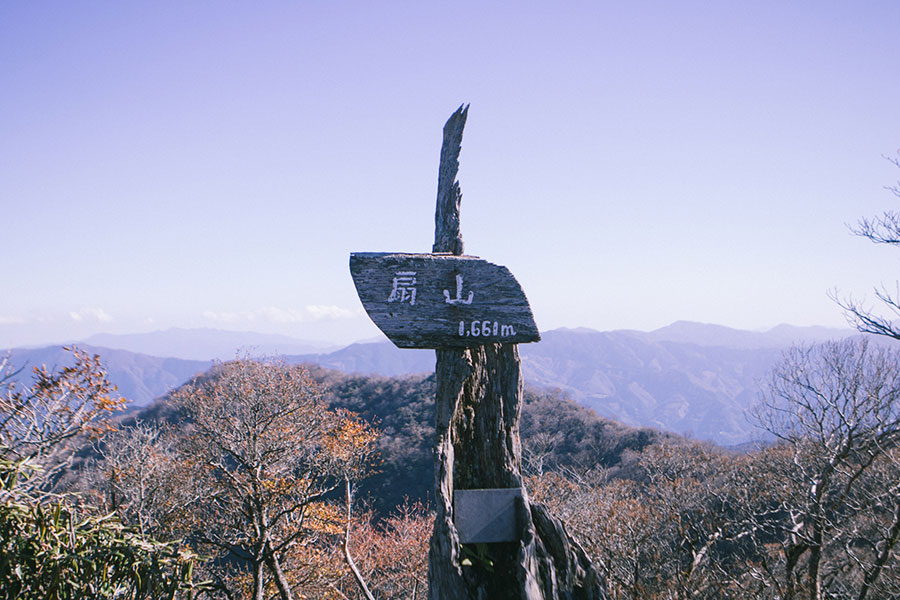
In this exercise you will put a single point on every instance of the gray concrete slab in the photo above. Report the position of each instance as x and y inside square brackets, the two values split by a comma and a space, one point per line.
[485, 516]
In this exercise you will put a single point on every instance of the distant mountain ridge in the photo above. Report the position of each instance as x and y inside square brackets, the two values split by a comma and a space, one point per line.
[206, 344]
[706, 334]
[686, 388]
[693, 379]
[138, 377]
[687, 378]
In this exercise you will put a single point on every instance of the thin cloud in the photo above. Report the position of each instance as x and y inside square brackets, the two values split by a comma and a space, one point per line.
[91, 314]
[11, 320]
[321, 312]
[223, 317]
[274, 314]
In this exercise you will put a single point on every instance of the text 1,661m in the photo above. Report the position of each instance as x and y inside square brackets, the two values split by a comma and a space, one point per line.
[485, 329]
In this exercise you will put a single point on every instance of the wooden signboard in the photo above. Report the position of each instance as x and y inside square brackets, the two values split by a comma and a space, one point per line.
[442, 300]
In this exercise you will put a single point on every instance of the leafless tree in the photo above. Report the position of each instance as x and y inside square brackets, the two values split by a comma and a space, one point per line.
[142, 478]
[264, 450]
[814, 515]
[655, 538]
[836, 410]
[882, 229]
[41, 423]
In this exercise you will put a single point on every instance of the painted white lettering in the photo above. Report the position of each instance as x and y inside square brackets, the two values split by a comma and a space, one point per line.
[404, 287]
[486, 329]
[459, 291]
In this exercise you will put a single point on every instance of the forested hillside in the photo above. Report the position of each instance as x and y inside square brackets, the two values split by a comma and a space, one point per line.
[556, 433]
[266, 476]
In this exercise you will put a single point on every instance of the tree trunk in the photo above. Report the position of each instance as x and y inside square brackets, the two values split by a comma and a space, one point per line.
[281, 582]
[813, 567]
[348, 558]
[884, 554]
[792, 558]
[259, 580]
[478, 405]
[479, 399]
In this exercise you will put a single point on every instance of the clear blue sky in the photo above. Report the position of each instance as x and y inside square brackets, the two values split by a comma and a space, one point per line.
[213, 164]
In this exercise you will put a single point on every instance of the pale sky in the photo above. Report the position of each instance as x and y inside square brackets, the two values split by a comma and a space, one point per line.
[213, 164]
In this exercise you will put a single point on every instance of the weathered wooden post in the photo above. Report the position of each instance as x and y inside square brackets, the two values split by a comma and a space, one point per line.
[489, 541]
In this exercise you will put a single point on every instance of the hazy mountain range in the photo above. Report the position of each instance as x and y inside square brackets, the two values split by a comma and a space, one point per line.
[139, 377]
[206, 344]
[689, 378]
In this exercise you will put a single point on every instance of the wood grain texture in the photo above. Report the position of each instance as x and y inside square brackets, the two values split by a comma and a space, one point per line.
[477, 409]
[447, 236]
[479, 401]
[442, 301]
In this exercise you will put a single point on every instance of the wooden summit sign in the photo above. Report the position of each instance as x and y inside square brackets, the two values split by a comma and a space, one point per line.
[442, 300]
[489, 540]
